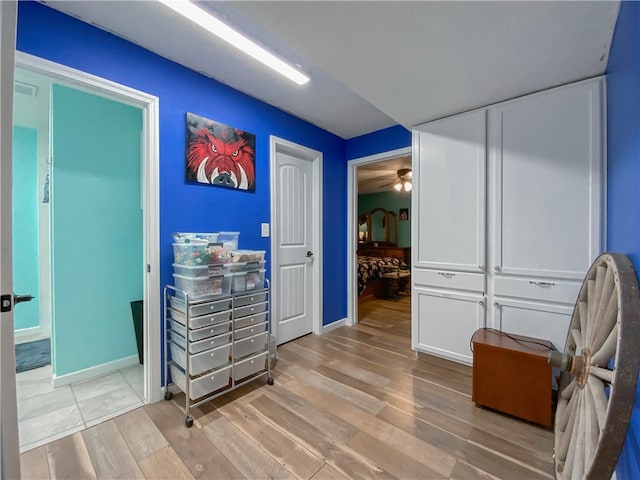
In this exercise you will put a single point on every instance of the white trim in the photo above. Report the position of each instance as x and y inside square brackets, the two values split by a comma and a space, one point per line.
[31, 334]
[279, 144]
[149, 105]
[352, 215]
[96, 371]
[9, 449]
[332, 326]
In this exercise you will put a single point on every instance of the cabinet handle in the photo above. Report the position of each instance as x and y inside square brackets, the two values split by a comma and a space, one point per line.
[447, 274]
[496, 268]
[542, 284]
[481, 267]
[213, 354]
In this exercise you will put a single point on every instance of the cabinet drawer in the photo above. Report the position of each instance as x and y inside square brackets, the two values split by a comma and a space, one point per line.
[201, 345]
[203, 320]
[562, 291]
[203, 361]
[249, 299]
[200, 333]
[250, 320]
[201, 308]
[250, 366]
[250, 331]
[474, 282]
[250, 309]
[201, 386]
[250, 345]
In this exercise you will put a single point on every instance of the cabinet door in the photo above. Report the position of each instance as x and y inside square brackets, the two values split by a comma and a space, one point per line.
[445, 322]
[533, 319]
[449, 193]
[547, 153]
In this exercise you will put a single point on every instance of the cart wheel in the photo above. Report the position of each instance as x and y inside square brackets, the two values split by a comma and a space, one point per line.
[168, 396]
[599, 371]
[188, 421]
[270, 380]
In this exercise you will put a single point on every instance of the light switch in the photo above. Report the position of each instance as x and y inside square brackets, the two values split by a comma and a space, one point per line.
[265, 229]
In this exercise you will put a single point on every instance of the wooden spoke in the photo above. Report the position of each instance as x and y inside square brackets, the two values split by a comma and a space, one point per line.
[582, 310]
[607, 322]
[595, 401]
[577, 338]
[606, 351]
[600, 401]
[602, 373]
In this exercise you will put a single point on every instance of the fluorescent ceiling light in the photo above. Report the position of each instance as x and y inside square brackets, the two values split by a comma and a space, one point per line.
[210, 23]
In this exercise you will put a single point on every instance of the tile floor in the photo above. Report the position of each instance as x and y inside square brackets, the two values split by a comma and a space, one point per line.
[46, 413]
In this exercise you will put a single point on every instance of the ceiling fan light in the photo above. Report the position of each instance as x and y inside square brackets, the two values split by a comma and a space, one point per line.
[407, 186]
[398, 186]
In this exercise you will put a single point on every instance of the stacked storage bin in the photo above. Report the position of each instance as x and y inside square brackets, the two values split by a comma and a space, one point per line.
[210, 265]
[201, 265]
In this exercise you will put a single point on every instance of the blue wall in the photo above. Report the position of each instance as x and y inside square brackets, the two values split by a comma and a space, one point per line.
[192, 207]
[96, 224]
[385, 140]
[25, 231]
[623, 157]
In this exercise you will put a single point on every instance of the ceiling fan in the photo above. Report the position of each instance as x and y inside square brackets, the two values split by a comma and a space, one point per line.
[403, 182]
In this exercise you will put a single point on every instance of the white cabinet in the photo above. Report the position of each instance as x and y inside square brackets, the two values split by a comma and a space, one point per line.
[450, 192]
[530, 318]
[447, 322]
[516, 187]
[547, 158]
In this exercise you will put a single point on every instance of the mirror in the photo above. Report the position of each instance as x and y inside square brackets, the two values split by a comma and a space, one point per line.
[379, 227]
[364, 228]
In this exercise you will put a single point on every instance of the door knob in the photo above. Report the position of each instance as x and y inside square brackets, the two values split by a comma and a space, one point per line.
[22, 298]
[309, 254]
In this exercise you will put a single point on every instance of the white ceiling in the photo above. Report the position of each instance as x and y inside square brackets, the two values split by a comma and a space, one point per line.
[380, 176]
[376, 64]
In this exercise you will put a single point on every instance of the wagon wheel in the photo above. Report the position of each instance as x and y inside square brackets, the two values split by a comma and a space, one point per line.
[599, 371]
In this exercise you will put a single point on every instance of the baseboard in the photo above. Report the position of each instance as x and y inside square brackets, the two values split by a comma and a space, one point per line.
[97, 371]
[334, 325]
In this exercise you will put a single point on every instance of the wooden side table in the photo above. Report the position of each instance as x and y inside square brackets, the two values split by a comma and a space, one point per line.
[512, 375]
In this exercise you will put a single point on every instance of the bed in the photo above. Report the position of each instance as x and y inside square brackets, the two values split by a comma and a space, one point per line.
[370, 271]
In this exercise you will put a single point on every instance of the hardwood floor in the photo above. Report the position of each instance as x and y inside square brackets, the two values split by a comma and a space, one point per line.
[354, 403]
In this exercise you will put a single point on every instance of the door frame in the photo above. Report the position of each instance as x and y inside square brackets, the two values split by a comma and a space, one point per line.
[277, 145]
[149, 105]
[352, 223]
[9, 444]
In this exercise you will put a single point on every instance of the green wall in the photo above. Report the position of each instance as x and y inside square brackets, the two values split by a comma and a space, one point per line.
[25, 231]
[392, 201]
[96, 229]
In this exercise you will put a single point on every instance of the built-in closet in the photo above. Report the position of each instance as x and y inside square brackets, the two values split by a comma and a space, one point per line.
[509, 215]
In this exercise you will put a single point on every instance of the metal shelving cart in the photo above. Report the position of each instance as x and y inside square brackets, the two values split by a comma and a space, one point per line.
[217, 344]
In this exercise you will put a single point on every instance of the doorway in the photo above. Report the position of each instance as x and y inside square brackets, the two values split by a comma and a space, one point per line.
[296, 246]
[86, 246]
[379, 205]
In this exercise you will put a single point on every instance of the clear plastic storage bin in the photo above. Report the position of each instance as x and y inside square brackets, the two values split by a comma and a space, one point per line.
[197, 287]
[229, 240]
[243, 281]
[247, 255]
[247, 266]
[184, 237]
[195, 252]
[191, 270]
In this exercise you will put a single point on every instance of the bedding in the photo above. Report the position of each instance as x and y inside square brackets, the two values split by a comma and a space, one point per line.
[373, 267]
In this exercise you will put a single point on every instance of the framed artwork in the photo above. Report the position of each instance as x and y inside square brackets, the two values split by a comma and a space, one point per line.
[404, 214]
[219, 155]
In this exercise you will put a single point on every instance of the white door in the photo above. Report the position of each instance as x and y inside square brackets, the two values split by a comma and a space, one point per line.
[296, 252]
[449, 193]
[9, 453]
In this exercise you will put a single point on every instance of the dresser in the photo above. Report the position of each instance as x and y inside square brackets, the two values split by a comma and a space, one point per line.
[215, 345]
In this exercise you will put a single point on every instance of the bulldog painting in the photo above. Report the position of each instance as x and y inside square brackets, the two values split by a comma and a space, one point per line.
[218, 154]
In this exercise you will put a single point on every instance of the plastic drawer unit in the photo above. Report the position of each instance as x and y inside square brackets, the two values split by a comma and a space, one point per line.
[214, 346]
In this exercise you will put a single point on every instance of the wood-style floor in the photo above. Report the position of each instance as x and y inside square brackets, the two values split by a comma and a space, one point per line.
[354, 403]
